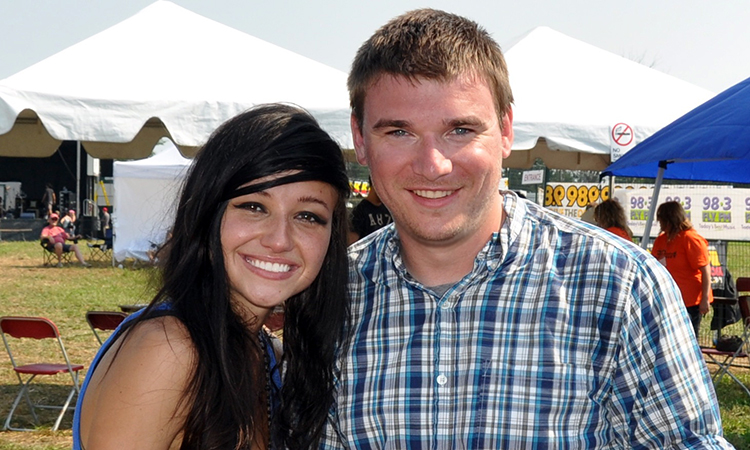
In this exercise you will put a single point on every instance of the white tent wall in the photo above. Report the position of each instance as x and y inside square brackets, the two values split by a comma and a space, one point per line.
[146, 200]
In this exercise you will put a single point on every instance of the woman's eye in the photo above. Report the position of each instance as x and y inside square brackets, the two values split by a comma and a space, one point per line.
[251, 206]
[312, 218]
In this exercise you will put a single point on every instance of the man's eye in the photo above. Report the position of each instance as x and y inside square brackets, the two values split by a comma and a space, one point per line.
[397, 133]
[461, 131]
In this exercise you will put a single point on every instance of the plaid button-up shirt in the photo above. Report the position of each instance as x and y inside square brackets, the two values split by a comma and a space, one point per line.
[562, 336]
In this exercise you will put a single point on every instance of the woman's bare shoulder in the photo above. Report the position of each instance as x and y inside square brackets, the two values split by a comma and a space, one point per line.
[137, 394]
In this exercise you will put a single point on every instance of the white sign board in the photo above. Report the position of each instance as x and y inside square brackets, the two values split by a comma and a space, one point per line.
[533, 177]
[622, 139]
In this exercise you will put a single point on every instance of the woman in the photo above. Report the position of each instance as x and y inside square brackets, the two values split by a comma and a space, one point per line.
[610, 215]
[261, 221]
[685, 254]
[68, 222]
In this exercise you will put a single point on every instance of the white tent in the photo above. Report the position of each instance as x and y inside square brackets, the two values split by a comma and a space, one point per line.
[569, 95]
[163, 72]
[146, 192]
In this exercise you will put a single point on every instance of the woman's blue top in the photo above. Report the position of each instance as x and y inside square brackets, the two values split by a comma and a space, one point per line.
[164, 310]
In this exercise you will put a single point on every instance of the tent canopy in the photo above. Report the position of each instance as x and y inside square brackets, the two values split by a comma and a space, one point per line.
[569, 95]
[709, 143]
[163, 72]
[146, 192]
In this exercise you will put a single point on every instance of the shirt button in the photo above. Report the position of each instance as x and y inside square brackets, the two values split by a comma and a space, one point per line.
[442, 379]
[445, 305]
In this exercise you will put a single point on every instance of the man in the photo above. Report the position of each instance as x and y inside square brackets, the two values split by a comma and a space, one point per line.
[49, 199]
[480, 320]
[368, 216]
[105, 219]
[53, 237]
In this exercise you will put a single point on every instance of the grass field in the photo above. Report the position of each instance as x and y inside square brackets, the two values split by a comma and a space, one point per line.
[64, 295]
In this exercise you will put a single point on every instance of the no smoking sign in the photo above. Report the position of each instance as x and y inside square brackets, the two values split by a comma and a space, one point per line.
[622, 134]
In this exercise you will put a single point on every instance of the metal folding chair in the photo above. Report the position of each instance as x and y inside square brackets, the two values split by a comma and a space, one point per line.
[726, 360]
[36, 328]
[101, 250]
[50, 259]
[105, 321]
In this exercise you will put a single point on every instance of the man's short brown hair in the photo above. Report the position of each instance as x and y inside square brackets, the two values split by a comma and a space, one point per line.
[433, 45]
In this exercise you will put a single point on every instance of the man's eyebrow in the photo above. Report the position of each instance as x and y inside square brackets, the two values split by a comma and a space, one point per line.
[463, 121]
[390, 123]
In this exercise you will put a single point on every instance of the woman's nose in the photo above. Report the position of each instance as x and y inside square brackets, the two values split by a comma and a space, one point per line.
[277, 235]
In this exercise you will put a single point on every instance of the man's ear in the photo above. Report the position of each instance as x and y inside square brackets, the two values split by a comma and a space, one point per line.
[359, 141]
[507, 124]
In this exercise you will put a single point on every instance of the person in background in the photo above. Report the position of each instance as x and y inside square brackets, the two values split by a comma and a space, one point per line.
[480, 320]
[685, 255]
[69, 222]
[261, 221]
[105, 219]
[53, 237]
[368, 216]
[49, 199]
[610, 215]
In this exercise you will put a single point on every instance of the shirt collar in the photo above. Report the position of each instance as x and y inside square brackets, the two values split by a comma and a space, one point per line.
[490, 258]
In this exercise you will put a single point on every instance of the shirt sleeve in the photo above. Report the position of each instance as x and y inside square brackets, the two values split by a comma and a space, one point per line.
[662, 394]
[696, 249]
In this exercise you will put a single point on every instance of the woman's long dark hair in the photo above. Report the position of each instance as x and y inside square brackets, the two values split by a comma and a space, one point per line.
[225, 394]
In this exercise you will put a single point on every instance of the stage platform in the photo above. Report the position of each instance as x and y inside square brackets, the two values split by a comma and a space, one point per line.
[21, 229]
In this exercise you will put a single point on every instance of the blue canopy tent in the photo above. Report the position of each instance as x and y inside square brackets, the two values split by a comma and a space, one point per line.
[710, 143]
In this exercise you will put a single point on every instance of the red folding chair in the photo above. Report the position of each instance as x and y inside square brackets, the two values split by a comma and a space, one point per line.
[36, 328]
[105, 321]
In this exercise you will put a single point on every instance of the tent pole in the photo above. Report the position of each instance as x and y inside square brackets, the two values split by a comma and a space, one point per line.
[654, 202]
[78, 177]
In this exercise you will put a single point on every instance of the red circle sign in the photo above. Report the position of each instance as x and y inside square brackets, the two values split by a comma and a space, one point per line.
[622, 134]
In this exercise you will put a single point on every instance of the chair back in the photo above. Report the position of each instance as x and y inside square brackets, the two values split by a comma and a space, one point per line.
[743, 285]
[29, 327]
[104, 320]
[26, 365]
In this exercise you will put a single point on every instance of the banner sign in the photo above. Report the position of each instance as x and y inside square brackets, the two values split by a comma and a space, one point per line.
[717, 213]
[571, 199]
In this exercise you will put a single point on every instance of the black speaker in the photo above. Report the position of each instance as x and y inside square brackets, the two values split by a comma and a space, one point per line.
[89, 226]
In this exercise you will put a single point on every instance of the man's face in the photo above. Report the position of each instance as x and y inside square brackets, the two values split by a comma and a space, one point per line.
[435, 153]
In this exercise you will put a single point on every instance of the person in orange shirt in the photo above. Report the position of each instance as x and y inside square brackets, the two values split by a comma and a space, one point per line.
[685, 254]
[610, 215]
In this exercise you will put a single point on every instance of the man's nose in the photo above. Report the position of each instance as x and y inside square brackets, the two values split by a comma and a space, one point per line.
[431, 161]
